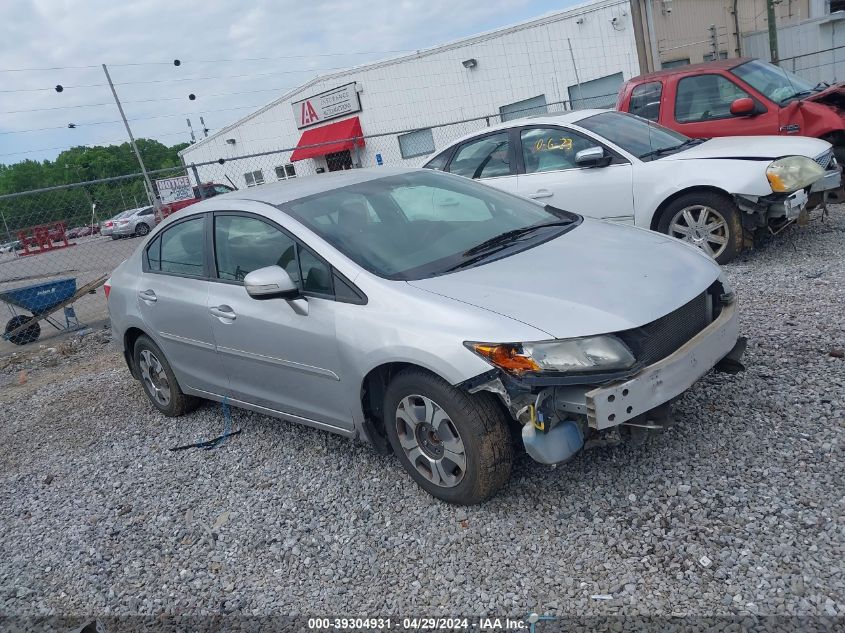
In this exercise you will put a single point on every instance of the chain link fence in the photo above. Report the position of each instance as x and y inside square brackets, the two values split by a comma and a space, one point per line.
[60, 243]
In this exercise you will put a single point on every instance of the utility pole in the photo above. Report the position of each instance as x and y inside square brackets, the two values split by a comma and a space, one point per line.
[193, 138]
[773, 31]
[150, 191]
[577, 78]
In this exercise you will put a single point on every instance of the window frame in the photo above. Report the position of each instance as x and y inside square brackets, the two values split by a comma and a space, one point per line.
[145, 262]
[422, 129]
[618, 159]
[512, 154]
[211, 263]
[716, 118]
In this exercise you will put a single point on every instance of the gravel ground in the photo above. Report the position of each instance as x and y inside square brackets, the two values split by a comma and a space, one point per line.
[738, 509]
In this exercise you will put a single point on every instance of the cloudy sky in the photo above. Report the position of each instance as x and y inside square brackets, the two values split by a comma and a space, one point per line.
[236, 56]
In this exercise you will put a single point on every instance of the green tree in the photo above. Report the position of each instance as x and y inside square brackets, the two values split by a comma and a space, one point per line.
[80, 164]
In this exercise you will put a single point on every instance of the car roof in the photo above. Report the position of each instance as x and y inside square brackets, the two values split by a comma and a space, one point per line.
[277, 193]
[561, 118]
[691, 69]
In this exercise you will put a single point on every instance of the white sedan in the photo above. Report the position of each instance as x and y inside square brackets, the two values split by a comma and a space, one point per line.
[616, 166]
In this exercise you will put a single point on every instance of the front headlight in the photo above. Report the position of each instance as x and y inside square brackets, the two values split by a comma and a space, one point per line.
[576, 355]
[793, 173]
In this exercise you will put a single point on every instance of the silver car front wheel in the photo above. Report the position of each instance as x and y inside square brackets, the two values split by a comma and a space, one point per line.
[431, 441]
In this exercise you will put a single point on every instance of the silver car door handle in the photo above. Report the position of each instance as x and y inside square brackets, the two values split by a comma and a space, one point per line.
[147, 295]
[223, 312]
[540, 193]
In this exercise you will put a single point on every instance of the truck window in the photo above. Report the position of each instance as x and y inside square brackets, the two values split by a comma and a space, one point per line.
[645, 100]
[705, 97]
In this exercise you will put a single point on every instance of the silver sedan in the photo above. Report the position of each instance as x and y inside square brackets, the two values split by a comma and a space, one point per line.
[424, 313]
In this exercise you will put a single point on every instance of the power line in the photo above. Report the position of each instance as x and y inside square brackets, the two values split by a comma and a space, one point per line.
[210, 61]
[140, 118]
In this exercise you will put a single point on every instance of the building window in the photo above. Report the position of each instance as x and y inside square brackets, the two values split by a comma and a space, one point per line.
[709, 57]
[418, 143]
[675, 63]
[526, 107]
[837, 5]
[285, 171]
[596, 93]
[253, 178]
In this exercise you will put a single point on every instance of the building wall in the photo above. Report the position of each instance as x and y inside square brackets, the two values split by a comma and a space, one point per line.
[433, 87]
[813, 49]
[682, 28]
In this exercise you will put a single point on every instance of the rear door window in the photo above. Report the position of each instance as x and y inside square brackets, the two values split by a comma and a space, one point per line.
[645, 100]
[182, 248]
[487, 157]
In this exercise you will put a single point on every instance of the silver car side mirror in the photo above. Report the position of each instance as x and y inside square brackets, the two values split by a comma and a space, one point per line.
[270, 282]
[592, 157]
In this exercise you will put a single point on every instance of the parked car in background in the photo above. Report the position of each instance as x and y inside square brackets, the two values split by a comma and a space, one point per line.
[135, 222]
[738, 97]
[108, 226]
[82, 231]
[130, 222]
[616, 166]
[422, 312]
[8, 247]
[205, 190]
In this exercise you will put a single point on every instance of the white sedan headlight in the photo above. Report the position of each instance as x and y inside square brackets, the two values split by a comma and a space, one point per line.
[792, 173]
[591, 353]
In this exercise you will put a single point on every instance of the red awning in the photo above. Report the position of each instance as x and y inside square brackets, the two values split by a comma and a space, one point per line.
[334, 137]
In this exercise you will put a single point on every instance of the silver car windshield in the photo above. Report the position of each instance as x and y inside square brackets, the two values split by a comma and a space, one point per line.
[426, 223]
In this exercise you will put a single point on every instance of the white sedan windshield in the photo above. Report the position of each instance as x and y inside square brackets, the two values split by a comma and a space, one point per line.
[638, 136]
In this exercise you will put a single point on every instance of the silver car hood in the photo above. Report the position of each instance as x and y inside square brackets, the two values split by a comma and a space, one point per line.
[597, 278]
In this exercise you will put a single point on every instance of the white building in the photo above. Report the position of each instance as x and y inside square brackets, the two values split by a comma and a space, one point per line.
[407, 107]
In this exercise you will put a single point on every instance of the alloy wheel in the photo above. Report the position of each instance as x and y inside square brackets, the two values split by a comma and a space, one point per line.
[701, 226]
[431, 441]
[154, 377]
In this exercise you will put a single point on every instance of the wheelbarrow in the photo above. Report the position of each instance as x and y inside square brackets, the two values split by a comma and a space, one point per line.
[42, 301]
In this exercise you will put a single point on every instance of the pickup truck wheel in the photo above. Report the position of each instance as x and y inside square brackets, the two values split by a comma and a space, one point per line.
[455, 445]
[708, 220]
[158, 380]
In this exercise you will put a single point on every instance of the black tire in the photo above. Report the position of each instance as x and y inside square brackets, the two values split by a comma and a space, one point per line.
[115, 237]
[480, 421]
[28, 334]
[721, 204]
[141, 230]
[178, 403]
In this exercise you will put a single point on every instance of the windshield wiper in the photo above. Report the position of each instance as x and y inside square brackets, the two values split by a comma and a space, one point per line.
[804, 93]
[481, 251]
[510, 236]
[674, 148]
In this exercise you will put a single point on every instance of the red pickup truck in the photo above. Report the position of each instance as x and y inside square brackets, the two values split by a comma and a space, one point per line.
[209, 190]
[738, 97]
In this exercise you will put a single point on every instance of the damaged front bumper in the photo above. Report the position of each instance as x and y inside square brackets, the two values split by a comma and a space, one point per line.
[557, 419]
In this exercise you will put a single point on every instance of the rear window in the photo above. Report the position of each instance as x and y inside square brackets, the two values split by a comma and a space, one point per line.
[645, 100]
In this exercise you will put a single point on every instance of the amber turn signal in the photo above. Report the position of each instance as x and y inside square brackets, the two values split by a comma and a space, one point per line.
[506, 356]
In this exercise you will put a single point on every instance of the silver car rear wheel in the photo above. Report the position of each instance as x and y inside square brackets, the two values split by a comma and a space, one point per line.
[154, 378]
[701, 226]
[431, 441]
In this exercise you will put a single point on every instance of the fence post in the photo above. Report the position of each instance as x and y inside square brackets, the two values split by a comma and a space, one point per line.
[197, 178]
[8, 233]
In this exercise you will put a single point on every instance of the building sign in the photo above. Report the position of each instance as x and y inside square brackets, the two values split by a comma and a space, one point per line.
[174, 189]
[326, 105]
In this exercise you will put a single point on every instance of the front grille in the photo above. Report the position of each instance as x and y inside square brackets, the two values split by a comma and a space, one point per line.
[824, 159]
[656, 340]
